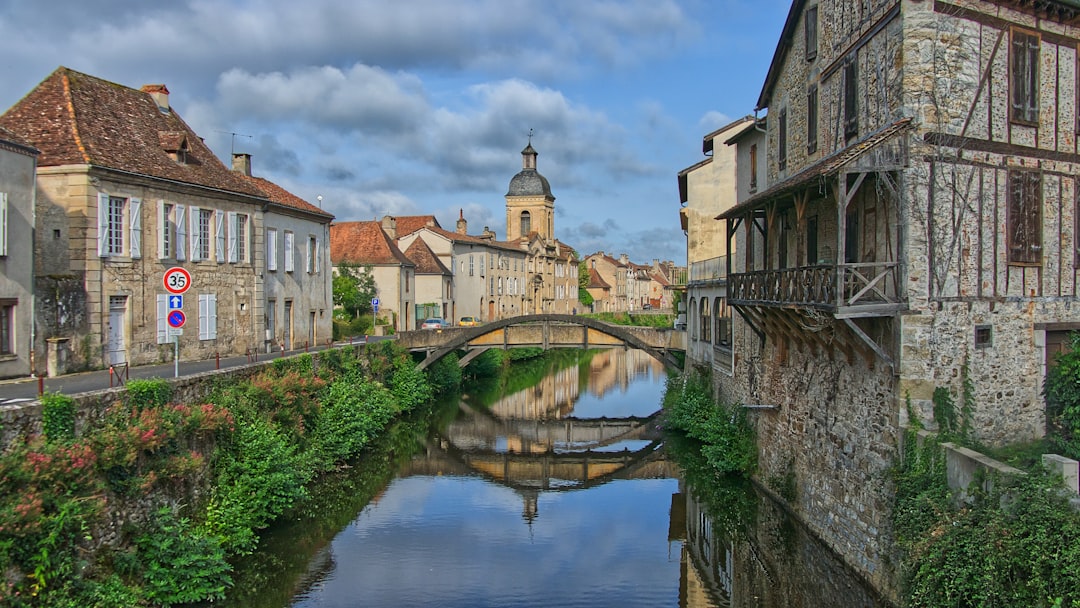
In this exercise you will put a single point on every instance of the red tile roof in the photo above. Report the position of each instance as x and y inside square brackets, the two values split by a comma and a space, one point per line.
[76, 119]
[408, 224]
[596, 281]
[425, 259]
[282, 197]
[363, 243]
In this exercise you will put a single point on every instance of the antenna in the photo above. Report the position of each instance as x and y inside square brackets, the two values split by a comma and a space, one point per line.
[232, 146]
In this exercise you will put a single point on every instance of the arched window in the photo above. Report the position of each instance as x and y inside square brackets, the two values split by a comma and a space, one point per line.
[722, 327]
[526, 223]
[706, 325]
[692, 322]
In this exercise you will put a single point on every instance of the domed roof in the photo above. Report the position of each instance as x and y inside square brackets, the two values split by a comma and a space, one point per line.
[529, 183]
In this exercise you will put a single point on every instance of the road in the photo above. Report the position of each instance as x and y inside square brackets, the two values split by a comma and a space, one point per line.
[22, 390]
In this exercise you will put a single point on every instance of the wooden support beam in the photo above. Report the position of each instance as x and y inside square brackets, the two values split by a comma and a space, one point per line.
[874, 347]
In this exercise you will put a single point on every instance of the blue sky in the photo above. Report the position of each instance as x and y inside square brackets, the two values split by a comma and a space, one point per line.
[423, 106]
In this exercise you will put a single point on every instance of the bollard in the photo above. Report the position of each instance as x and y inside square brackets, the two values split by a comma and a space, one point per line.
[110, 376]
[305, 346]
[40, 385]
[217, 360]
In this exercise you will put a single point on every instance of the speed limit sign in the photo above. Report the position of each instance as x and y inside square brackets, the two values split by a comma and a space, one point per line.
[177, 280]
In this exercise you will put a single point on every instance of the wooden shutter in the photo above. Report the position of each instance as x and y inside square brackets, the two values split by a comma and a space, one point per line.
[102, 225]
[851, 108]
[162, 318]
[219, 236]
[136, 228]
[163, 228]
[181, 233]
[4, 223]
[1024, 77]
[196, 234]
[234, 255]
[1025, 217]
[271, 249]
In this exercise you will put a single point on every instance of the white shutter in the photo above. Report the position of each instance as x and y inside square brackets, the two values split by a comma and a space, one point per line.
[102, 224]
[318, 257]
[219, 236]
[181, 233]
[211, 315]
[203, 333]
[196, 235]
[271, 249]
[3, 223]
[163, 228]
[233, 254]
[162, 318]
[136, 228]
[288, 251]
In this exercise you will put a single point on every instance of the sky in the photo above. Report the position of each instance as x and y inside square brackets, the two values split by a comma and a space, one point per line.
[415, 107]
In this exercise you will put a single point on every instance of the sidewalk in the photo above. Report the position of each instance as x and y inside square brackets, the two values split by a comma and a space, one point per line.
[22, 390]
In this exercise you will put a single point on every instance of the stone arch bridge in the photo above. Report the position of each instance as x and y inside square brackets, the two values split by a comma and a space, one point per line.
[543, 331]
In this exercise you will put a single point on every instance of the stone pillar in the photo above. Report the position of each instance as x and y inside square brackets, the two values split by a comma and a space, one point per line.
[1068, 468]
[57, 356]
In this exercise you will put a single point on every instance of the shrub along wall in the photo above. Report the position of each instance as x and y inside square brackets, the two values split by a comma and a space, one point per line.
[143, 499]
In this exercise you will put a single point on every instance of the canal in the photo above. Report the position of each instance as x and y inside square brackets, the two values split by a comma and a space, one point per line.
[553, 485]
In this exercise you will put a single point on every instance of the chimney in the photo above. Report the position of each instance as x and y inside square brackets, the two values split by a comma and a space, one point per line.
[241, 163]
[389, 226]
[624, 259]
[160, 94]
[462, 225]
[487, 234]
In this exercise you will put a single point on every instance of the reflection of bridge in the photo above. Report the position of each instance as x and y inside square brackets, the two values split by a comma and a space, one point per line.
[543, 331]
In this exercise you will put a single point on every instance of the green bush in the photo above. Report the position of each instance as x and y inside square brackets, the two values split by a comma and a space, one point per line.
[58, 417]
[444, 375]
[488, 364]
[354, 413]
[1062, 391]
[180, 564]
[727, 439]
[148, 393]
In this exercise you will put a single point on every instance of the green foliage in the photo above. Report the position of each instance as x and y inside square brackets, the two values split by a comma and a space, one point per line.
[408, 384]
[148, 393]
[356, 410]
[521, 354]
[58, 417]
[945, 411]
[1062, 391]
[300, 364]
[727, 439]
[1017, 545]
[488, 364]
[658, 320]
[179, 563]
[354, 288]
[444, 375]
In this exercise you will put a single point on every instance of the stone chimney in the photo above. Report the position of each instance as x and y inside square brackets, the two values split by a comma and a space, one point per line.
[389, 226]
[160, 94]
[241, 163]
[462, 225]
[487, 234]
[624, 259]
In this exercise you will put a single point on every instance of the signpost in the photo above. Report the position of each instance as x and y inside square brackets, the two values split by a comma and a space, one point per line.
[374, 311]
[176, 281]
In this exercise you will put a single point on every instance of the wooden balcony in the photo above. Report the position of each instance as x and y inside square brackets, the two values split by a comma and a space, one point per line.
[865, 289]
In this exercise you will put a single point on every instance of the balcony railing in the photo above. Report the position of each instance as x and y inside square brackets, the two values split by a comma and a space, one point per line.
[711, 269]
[861, 285]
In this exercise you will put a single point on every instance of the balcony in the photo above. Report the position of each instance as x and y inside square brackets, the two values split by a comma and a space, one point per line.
[712, 269]
[845, 290]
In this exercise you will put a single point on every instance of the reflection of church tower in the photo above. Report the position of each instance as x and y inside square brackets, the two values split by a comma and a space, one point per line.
[530, 207]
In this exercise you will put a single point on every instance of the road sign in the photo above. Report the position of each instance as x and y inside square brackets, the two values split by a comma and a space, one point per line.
[375, 304]
[176, 302]
[176, 280]
[177, 318]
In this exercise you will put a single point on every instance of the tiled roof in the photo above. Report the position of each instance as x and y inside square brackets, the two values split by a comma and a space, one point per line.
[468, 238]
[76, 119]
[282, 197]
[823, 167]
[659, 277]
[425, 259]
[408, 224]
[363, 243]
[596, 281]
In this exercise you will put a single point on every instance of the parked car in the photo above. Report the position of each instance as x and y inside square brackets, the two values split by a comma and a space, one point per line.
[434, 323]
[468, 322]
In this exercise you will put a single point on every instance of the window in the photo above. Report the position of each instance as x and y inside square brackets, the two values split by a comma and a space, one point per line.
[7, 327]
[706, 325]
[166, 230]
[110, 225]
[811, 33]
[500, 286]
[205, 217]
[811, 242]
[312, 255]
[288, 251]
[271, 249]
[984, 336]
[526, 223]
[753, 174]
[491, 286]
[471, 265]
[238, 237]
[811, 120]
[3, 223]
[851, 109]
[1024, 77]
[781, 139]
[207, 316]
[1025, 217]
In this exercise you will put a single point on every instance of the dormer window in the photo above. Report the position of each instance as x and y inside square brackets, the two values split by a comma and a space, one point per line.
[175, 144]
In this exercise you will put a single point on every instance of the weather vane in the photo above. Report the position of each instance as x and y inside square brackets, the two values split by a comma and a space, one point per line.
[530, 136]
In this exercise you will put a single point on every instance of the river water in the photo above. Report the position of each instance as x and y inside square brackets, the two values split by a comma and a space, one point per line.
[554, 485]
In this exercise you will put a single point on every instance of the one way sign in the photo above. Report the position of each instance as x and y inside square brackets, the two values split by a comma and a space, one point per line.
[176, 302]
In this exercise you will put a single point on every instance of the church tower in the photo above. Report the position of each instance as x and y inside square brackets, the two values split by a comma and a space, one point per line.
[530, 207]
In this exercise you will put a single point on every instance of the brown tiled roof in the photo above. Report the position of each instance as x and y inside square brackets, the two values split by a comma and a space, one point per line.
[76, 119]
[596, 281]
[659, 277]
[823, 167]
[363, 243]
[425, 259]
[282, 197]
[408, 224]
[468, 238]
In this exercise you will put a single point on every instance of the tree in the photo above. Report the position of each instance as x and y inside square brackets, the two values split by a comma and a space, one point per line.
[584, 296]
[354, 288]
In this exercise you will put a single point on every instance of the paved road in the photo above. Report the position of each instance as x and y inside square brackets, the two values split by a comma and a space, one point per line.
[26, 389]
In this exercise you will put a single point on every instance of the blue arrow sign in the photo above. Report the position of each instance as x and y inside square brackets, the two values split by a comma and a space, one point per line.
[176, 302]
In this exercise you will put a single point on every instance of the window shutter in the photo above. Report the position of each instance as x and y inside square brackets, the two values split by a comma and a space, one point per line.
[318, 256]
[163, 227]
[289, 246]
[162, 318]
[204, 316]
[851, 111]
[233, 253]
[1025, 76]
[181, 233]
[102, 224]
[219, 236]
[3, 223]
[211, 316]
[196, 234]
[136, 228]
[271, 249]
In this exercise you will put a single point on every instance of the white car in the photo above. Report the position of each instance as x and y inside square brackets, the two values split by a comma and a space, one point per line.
[434, 323]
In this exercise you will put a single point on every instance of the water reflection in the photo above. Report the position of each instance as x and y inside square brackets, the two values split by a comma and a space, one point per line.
[559, 490]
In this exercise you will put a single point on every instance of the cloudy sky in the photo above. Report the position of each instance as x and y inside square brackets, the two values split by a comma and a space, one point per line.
[423, 106]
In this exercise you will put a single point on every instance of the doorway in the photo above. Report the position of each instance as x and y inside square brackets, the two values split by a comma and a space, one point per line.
[288, 325]
[116, 346]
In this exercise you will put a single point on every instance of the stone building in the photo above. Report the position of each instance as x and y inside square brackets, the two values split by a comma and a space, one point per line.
[297, 285]
[918, 230]
[371, 244]
[125, 191]
[18, 161]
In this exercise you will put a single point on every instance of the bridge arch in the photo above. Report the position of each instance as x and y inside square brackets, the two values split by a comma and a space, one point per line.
[440, 343]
